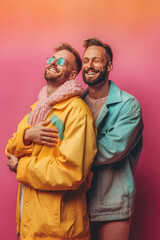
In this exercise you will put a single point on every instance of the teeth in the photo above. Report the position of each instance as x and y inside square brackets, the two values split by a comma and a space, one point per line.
[52, 70]
[91, 73]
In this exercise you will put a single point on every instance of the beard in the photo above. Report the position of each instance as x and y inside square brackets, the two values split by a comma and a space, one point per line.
[45, 76]
[48, 77]
[58, 78]
[99, 79]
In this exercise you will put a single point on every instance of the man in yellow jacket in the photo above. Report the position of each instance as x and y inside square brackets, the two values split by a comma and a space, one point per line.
[52, 153]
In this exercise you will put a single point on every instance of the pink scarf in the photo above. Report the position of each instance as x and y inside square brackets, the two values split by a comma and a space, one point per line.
[65, 91]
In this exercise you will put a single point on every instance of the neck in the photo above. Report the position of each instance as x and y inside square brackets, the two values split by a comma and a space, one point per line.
[100, 90]
[51, 88]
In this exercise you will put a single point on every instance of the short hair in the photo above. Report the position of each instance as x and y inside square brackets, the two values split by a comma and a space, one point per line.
[96, 42]
[68, 47]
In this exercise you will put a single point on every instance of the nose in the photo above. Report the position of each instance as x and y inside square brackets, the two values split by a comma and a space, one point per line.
[90, 64]
[54, 62]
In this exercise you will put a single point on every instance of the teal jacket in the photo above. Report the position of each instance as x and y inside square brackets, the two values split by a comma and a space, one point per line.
[119, 143]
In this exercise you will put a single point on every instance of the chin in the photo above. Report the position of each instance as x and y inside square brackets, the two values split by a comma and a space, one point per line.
[90, 81]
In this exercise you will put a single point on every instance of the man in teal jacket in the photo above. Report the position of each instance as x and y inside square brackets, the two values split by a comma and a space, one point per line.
[119, 122]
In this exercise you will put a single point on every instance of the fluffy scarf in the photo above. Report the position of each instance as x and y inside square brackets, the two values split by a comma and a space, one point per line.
[65, 91]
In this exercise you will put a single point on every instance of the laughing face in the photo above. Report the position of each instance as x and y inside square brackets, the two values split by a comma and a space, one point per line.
[95, 65]
[60, 73]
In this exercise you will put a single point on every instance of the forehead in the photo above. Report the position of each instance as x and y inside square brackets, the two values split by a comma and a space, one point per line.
[94, 51]
[65, 54]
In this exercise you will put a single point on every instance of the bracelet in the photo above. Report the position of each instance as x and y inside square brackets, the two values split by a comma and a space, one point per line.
[15, 168]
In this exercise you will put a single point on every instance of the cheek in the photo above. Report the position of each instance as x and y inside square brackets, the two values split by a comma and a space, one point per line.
[83, 68]
[103, 68]
[66, 74]
[61, 70]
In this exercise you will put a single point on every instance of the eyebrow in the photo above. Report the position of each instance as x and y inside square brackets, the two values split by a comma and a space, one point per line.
[91, 58]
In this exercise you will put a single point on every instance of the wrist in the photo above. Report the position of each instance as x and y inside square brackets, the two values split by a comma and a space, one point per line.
[27, 139]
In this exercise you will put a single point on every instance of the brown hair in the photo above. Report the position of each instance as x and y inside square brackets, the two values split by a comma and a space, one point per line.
[66, 46]
[96, 42]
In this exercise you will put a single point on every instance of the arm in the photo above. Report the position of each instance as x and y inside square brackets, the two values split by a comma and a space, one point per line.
[41, 134]
[71, 167]
[16, 144]
[125, 133]
[22, 142]
[12, 162]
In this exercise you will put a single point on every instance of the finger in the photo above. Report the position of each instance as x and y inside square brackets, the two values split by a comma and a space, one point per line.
[49, 139]
[45, 123]
[49, 144]
[46, 129]
[11, 169]
[52, 140]
[9, 155]
[49, 135]
[9, 163]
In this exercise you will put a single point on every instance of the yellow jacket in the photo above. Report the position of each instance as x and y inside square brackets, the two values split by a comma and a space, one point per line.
[56, 179]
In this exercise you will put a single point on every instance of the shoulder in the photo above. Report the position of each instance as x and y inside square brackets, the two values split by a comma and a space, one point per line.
[130, 101]
[122, 100]
[78, 106]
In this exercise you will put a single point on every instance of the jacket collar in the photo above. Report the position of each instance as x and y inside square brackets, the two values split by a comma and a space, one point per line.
[63, 104]
[114, 95]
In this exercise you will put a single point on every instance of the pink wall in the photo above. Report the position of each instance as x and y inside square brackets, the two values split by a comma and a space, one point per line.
[30, 30]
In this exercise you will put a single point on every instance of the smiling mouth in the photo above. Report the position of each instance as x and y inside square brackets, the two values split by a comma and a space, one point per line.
[52, 70]
[91, 73]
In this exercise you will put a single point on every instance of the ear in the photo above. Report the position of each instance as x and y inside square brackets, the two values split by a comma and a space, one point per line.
[73, 75]
[110, 66]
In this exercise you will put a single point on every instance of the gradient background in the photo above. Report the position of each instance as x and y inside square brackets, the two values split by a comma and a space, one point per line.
[29, 31]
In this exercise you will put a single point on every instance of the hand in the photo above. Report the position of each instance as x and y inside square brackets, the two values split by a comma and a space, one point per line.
[41, 134]
[13, 160]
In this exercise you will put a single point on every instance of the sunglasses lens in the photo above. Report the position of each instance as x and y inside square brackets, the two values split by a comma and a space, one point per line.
[49, 60]
[60, 61]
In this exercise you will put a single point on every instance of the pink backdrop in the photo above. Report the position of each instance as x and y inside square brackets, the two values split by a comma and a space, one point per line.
[29, 31]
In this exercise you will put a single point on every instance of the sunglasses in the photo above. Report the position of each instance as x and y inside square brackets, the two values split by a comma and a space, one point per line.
[60, 61]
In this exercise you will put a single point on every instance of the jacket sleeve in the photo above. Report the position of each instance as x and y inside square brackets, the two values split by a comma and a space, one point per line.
[16, 145]
[71, 168]
[122, 137]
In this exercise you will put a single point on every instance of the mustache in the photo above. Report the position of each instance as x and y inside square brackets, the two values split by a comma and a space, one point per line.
[52, 66]
[90, 70]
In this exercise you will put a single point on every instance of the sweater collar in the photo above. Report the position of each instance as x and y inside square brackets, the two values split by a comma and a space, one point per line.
[114, 95]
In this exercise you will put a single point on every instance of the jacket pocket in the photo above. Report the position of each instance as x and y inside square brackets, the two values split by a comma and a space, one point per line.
[46, 217]
[75, 221]
[114, 196]
[109, 190]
